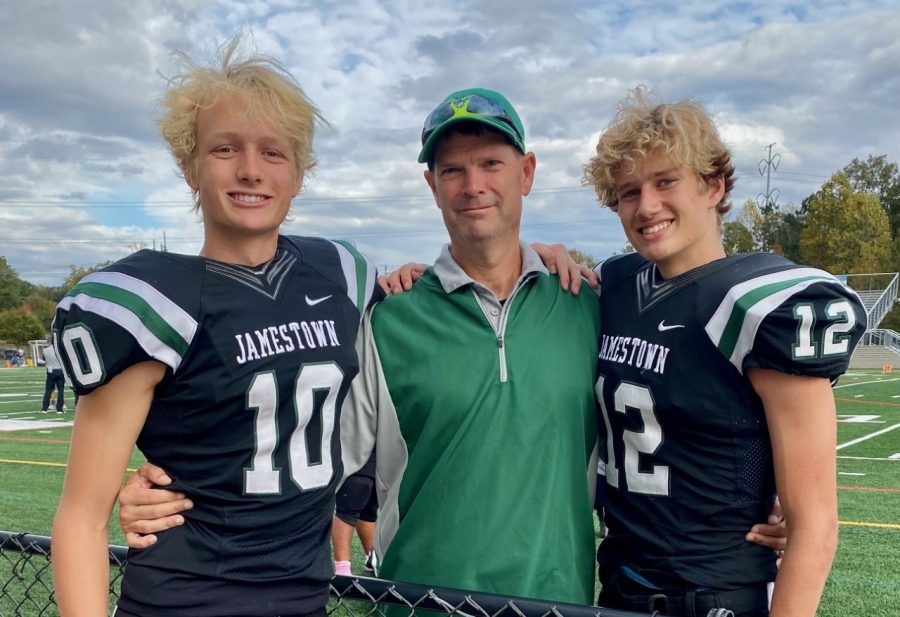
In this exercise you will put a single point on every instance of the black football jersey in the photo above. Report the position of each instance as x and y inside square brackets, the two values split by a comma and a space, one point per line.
[245, 420]
[687, 455]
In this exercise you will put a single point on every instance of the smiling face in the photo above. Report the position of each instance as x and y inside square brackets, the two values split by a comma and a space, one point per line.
[478, 182]
[245, 177]
[668, 214]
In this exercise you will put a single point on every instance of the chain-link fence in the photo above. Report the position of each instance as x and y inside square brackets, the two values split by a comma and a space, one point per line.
[26, 590]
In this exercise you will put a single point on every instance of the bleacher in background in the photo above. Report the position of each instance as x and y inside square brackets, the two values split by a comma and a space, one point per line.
[879, 347]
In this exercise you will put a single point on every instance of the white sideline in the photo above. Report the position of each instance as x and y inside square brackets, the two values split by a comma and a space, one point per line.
[31, 425]
[853, 442]
[864, 383]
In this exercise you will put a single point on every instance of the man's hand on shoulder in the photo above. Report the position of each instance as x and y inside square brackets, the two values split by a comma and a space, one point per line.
[402, 279]
[144, 508]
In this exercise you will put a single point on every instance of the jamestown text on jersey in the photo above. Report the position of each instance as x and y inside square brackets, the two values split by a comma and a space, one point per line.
[274, 340]
[634, 351]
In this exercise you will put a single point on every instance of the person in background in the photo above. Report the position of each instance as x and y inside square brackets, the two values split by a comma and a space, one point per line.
[356, 508]
[55, 381]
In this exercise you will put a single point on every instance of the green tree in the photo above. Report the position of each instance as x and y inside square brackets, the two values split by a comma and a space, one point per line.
[737, 238]
[895, 254]
[891, 321]
[786, 238]
[583, 258]
[12, 289]
[18, 326]
[76, 273]
[41, 306]
[774, 229]
[845, 231]
[880, 177]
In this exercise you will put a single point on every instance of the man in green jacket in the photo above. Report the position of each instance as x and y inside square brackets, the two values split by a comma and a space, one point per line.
[477, 386]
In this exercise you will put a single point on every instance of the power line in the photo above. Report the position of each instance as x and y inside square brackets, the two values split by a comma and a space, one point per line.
[305, 199]
[797, 173]
[333, 234]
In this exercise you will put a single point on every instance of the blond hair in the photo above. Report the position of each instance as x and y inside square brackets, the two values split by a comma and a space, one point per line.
[681, 131]
[269, 92]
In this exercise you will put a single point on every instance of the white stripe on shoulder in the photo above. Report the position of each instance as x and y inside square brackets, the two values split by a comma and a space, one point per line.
[182, 321]
[348, 267]
[758, 311]
[353, 276]
[125, 318]
[176, 317]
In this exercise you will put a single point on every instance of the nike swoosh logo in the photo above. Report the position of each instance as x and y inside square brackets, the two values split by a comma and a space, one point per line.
[317, 300]
[662, 327]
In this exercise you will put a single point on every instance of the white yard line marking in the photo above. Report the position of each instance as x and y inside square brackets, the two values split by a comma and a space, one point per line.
[868, 458]
[849, 473]
[853, 442]
[21, 400]
[23, 425]
[860, 419]
[10, 414]
[863, 383]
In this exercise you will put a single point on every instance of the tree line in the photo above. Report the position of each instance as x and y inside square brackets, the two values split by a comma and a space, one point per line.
[849, 226]
[26, 309]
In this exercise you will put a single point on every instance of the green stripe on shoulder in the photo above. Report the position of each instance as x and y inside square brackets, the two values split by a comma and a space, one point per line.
[137, 305]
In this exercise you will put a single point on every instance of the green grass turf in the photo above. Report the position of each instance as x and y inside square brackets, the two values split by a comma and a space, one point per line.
[32, 469]
[865, 579]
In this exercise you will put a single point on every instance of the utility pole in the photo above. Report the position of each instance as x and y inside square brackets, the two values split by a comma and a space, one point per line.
[766, 201]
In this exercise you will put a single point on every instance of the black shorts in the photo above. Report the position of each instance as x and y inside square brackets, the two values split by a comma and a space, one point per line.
[356, 500]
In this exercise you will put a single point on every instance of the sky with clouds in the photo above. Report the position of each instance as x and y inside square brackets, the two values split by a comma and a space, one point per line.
[85, 178]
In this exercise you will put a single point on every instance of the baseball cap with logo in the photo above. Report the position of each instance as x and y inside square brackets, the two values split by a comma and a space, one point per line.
[472, 105]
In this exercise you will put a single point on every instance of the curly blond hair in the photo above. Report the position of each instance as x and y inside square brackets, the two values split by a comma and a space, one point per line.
[643, 126]
[270, 93]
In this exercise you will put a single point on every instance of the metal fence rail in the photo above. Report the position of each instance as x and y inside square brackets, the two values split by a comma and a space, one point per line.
[26, 590]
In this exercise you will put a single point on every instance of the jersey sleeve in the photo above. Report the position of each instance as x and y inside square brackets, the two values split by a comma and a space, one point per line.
[359, 413]
[122, 315]
[801, 321]
[361, 275]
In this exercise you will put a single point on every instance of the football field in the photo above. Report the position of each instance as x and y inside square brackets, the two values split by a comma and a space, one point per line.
[865, 579]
